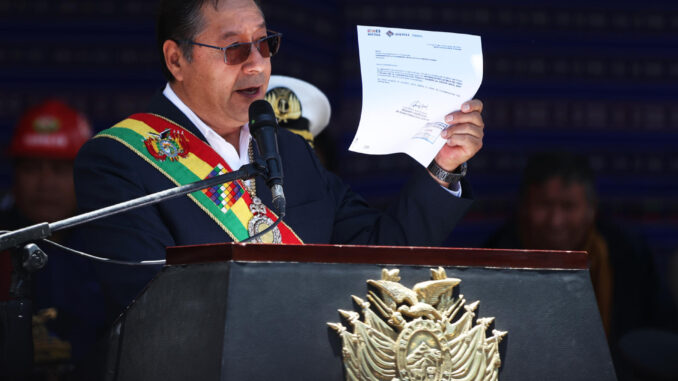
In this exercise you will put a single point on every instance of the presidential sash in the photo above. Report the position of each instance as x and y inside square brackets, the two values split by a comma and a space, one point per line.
[184, 158]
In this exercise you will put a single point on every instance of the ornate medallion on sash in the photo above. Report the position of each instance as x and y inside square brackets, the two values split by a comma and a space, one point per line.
[230, 205]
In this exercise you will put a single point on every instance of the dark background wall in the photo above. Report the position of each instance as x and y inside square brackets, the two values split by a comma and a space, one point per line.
[597, 77]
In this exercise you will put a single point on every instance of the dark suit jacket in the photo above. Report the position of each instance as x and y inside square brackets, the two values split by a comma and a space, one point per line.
[320, 208]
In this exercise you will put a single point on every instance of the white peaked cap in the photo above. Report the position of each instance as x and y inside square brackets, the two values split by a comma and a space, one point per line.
[314, 103]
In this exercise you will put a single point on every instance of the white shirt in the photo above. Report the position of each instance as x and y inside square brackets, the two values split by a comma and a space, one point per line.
[234, 159]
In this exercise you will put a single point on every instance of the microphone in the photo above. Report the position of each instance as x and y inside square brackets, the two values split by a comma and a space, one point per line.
[264, 128]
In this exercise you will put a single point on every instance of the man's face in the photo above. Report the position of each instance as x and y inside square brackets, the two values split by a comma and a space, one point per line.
[218, 93]
[43, 189]
[556, 216]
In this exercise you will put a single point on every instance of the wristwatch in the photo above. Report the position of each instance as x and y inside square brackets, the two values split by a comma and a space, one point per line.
[446, 176]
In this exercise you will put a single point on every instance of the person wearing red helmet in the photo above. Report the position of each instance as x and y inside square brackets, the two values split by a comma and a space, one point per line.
[43, 148]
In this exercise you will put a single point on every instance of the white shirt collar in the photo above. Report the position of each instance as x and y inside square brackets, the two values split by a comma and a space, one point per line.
[225, 149]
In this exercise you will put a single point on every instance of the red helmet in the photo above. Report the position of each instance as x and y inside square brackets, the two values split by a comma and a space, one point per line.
[52, 130]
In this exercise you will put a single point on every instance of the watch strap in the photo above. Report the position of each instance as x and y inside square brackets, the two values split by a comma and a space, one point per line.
[447, 176]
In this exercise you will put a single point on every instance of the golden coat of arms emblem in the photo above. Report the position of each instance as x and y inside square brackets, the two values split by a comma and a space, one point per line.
[419, 334]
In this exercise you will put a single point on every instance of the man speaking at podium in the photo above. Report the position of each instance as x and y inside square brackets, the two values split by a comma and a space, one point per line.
[217, 59]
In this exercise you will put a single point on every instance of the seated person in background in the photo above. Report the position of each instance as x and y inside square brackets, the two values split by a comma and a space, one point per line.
[42, 151]
[558, 210]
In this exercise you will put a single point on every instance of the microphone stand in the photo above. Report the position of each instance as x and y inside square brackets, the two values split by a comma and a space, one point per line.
[43, 230]
[16, 345]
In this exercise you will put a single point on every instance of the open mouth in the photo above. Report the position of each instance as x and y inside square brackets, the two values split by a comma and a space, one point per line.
[249, 92]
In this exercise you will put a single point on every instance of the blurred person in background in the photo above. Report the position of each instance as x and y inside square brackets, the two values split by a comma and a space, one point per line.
[304, 110]
[42, 150]
[558, 210]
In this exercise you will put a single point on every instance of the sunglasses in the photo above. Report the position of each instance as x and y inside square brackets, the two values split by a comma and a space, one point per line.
[238, 53]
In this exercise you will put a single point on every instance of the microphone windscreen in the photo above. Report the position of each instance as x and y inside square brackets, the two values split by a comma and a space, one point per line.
[258, 109]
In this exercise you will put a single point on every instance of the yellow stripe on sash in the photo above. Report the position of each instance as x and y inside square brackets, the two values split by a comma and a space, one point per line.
[198, 166]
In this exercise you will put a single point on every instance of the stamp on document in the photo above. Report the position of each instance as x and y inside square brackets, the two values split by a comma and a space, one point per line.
[430, 132]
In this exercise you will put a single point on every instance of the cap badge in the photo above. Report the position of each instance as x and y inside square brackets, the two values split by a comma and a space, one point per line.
[285, 103]
[46, 124]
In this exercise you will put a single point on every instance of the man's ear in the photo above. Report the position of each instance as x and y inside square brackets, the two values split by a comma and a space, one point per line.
[174, 58]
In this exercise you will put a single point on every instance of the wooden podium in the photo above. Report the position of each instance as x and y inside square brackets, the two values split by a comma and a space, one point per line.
[259, 312]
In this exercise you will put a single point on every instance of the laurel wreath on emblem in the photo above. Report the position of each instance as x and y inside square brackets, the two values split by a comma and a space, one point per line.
[418, 334]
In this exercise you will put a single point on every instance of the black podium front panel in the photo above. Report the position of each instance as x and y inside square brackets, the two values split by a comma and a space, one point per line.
[239, 320]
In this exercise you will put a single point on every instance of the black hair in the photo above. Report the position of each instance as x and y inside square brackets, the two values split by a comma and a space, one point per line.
[570, 168]
[180, 21]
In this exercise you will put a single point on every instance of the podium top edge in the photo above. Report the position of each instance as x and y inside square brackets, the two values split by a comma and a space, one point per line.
[391, 255]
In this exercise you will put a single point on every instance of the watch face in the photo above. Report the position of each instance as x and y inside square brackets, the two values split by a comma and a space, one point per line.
[462, 169]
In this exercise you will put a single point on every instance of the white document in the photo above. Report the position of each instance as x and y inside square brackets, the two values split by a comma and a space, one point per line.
[411, 79]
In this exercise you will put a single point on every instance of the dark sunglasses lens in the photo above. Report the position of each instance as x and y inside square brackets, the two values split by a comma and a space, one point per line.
[271, 46]
[267, 46]
[238, 53]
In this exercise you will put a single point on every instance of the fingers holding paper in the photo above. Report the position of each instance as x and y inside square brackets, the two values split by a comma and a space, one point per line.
[464, 135]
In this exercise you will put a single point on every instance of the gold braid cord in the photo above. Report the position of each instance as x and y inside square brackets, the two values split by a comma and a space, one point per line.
[418, 334]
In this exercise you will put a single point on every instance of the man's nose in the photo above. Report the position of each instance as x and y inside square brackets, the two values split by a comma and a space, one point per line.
[255, 61]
